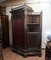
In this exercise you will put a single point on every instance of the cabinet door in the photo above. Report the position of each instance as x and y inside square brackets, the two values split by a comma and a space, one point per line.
[34, 41]
[18, 32]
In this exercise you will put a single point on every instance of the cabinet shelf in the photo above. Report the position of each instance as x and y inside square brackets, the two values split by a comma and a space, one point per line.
[33, 27]
[34, 18]
[33, 32]
[35, 13]
[32, 23]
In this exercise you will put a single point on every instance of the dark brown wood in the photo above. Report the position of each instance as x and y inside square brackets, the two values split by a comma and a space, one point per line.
[48, 51]
[1, 55]
[2, 10]
[26, 31]
[4, 30]
[34, 32]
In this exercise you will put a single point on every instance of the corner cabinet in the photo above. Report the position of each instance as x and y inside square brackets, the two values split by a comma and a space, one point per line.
[27, 29]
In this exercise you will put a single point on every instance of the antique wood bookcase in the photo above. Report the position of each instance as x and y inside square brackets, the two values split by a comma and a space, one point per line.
[27, 29]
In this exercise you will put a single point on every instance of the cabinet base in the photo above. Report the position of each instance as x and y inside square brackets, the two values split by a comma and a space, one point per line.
[26, 53]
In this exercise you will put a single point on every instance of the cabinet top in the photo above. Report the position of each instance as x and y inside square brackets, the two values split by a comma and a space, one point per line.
[23, 7]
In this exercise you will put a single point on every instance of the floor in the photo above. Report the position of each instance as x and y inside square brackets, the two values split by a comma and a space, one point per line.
[9, 55]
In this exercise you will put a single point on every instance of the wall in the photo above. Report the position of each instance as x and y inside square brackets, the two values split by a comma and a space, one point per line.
[37, 6]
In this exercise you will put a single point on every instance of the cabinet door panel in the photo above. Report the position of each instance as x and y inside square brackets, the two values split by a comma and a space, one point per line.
[18, 32]
[34, 41]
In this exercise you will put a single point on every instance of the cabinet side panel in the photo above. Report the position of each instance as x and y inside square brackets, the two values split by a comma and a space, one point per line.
[18, 30]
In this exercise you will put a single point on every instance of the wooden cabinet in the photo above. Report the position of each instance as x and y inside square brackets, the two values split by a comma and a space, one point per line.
[26, 27]
[4, 30]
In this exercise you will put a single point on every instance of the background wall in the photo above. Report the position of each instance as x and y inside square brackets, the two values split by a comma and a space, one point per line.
[37, 6]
